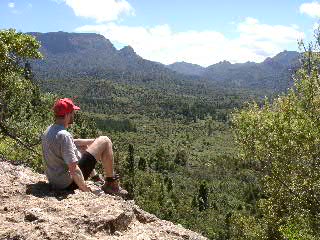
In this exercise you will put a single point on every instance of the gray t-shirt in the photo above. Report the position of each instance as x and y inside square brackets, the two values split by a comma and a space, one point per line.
[58, 151]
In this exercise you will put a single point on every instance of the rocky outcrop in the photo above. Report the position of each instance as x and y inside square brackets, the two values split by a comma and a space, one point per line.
[31, 210]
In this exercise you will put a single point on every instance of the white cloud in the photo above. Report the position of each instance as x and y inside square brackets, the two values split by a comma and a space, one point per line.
[100, 10]
[311, 9]
[11, 5]
[255, 42]
[254, 32]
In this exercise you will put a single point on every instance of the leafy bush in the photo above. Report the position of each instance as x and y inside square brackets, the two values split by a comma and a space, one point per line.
[281, 140]
[23, 108]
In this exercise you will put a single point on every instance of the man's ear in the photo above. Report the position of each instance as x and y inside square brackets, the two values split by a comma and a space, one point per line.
[67, 115]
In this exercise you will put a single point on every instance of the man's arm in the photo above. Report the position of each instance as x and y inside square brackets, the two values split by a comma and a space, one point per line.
[83, 142]
[77, 176]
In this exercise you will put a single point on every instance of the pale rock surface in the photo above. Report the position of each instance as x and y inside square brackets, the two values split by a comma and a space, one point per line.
[29, 209]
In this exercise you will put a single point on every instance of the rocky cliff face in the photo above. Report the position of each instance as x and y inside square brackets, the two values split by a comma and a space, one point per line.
[31, 210]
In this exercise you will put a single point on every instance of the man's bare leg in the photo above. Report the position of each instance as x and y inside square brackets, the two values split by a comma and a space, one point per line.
[101, 149]
[82, 145]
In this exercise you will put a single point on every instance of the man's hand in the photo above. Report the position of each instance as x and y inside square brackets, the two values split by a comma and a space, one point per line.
[77, 177]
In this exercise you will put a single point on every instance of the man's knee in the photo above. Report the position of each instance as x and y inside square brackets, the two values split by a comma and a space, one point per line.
[105, 141]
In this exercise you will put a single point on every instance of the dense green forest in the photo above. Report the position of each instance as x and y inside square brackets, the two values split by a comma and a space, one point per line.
[193, 153]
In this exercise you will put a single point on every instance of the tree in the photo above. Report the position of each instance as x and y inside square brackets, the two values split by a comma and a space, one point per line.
[181, 158]
[169, 184]
[195, 202]
[161, 159]
[210, 123]
[281, 141]
[23, 109]
[203, 196]
[129, 183]
[142, 164]
[130, 161]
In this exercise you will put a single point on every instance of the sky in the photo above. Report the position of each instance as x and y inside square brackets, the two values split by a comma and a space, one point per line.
[201, 32]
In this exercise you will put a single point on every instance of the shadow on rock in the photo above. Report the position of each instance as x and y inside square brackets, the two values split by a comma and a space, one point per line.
[44, 189]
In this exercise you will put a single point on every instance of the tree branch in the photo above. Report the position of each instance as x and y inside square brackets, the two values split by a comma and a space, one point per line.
[7, 133]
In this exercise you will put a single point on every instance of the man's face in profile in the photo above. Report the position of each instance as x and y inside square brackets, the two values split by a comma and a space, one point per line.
[71, 119]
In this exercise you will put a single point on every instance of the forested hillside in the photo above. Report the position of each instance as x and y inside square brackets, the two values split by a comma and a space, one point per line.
[85, 55]
[108, 80]
[173, 135]
[274, 74]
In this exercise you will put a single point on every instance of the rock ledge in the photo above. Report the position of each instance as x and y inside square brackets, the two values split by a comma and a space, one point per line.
[31, 210]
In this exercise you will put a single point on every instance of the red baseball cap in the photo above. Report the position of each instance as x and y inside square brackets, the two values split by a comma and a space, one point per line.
[64, 106]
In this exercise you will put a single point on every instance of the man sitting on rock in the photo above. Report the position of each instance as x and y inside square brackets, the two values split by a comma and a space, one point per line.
[65, 167]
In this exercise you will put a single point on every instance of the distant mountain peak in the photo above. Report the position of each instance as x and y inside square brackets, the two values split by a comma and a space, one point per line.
[185, 63]
[287, 54]
[186, 68]
[224, 62]
[268, 60]
[285, 58]
[64, 42]
[127, 50]
[89, 54]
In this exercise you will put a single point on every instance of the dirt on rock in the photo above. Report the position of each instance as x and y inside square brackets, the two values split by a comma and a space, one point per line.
[30, 209]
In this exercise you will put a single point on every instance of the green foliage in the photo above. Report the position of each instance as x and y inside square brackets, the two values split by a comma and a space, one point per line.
[23, 108]
[169, 193]
[162, 160]
[203, 196]
[25, 111]
[247, 227]
[281, 141]
[15, 48]
[142, 164]
[169, 182]
[131, 163]
[122, 125]
[108, 98]
[181, 158]
[129, 171]
[84, 126]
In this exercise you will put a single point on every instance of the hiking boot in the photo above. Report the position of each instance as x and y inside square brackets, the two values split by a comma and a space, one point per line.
[113, 188]
[97, 180]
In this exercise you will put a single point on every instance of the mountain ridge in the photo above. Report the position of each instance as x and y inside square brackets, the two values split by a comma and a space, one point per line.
[78, 55]
[273, 73]
[92, 55]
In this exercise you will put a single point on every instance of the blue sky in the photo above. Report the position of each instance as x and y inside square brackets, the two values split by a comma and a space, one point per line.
[203, 32]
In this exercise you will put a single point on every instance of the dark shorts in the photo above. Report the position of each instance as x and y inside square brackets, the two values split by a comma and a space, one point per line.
[86, 163]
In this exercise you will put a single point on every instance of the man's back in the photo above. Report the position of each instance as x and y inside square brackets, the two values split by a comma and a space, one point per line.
[58, 151]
